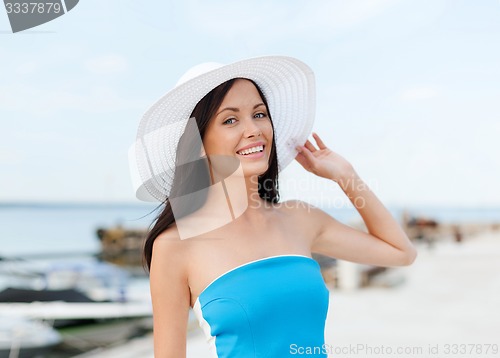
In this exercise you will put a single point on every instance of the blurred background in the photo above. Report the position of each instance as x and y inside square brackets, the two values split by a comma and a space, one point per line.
[408, 91]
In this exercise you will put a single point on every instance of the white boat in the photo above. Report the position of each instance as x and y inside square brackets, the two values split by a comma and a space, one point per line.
[99, 281]
[23, 338]
[57, 310]
[67, 293]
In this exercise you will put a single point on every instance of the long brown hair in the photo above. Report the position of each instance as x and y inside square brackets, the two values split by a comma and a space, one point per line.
[189, 177]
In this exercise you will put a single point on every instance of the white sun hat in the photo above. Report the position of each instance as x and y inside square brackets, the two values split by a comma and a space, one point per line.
[287, 83]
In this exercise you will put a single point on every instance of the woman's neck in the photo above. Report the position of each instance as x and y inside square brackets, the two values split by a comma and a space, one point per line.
[234, 198]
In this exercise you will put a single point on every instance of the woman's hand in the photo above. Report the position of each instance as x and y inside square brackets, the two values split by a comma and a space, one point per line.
[323, 162]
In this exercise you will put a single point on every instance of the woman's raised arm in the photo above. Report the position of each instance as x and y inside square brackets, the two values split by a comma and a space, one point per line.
[385, 244]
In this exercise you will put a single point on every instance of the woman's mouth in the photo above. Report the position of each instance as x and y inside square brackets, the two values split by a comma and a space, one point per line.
[252, 153]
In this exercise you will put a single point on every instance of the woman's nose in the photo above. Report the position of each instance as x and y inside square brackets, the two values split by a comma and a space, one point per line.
[251, 128]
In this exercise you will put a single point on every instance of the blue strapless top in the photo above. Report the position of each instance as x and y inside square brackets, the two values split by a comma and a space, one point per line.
[272, 307]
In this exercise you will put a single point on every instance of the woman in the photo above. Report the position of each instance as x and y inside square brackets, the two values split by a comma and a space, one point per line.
[224, 244]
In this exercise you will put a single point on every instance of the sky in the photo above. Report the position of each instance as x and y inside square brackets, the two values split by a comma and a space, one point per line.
[407, 90]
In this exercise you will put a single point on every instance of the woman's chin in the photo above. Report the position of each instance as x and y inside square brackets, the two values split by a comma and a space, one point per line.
[254, 170]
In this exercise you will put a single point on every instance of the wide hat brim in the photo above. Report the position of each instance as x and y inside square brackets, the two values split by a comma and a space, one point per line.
[287, 83]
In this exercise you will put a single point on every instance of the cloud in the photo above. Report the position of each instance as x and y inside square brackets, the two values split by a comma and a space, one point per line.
[26, 68]
[10, 156]
[284, 20]
[106, 64]
[38, 100]
[418, 94]
[347, 14]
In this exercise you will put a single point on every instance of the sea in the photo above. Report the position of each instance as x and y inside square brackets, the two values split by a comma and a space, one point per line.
[37, 229]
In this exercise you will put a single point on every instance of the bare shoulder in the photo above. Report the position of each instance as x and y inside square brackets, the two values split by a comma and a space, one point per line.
[303, 214]
[169, 246]
[170, 234]
[169, 256]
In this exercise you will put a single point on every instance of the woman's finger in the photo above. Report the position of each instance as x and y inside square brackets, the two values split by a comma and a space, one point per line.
[310, 146]
[320, 143]
[302, 160]
[307, 154]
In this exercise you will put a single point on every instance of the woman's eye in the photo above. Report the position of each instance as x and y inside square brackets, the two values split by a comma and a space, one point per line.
[260, 115]
[230, 119]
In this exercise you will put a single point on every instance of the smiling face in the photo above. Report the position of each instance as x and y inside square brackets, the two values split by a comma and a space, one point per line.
[241, 128]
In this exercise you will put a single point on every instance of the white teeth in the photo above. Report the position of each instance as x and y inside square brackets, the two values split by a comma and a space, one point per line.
[258, 148]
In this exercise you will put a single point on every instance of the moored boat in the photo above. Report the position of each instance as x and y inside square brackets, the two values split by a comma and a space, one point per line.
[24, 338]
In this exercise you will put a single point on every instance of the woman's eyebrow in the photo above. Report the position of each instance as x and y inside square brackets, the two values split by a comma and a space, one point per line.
[234, 109]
